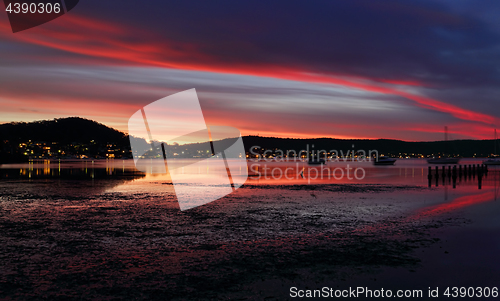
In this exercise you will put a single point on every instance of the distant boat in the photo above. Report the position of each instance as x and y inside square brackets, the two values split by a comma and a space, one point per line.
[314, 161]
[383, 160]
[491, 162]
[494, 160]
[444, 160]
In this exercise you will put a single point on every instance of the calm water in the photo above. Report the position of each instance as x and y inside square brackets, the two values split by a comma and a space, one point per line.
[405, 171]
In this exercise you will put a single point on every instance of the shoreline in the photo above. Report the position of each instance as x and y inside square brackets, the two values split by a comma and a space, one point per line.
[128, 239]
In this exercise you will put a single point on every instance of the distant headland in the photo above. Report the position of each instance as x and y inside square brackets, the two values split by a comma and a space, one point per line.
[79, 138]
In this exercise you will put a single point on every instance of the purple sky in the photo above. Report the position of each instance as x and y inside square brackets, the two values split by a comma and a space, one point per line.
[347, 69]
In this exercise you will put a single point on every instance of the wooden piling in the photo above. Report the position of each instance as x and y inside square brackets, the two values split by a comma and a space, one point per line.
[479, 181]
[454, 177]
[429, 176]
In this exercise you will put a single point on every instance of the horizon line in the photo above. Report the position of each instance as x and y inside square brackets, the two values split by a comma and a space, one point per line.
[252, 135]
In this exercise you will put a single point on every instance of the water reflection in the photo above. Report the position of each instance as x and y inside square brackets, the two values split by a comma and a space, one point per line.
[69, 170]
[64, 178]
[457, 203]
[406, 172]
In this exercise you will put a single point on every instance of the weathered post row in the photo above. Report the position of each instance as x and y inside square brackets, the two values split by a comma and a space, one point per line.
[465, 171]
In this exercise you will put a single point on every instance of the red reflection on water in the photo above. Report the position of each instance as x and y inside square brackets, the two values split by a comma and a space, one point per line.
[337, 172]
[457, 203]
[431, 211]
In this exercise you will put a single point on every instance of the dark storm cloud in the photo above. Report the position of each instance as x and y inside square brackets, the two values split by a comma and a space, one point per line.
[423, 41]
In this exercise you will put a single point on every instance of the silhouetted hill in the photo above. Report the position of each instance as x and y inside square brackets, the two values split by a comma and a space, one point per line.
[71, 137]
[464, 148]
[62, 130]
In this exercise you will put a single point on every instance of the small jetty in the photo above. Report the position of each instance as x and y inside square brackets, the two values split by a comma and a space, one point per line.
[470, 171]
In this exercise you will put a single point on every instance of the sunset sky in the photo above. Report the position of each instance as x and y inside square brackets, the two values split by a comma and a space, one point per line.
[344, 69]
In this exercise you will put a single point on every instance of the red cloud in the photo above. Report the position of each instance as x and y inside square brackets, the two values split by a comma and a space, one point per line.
[112, 43]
